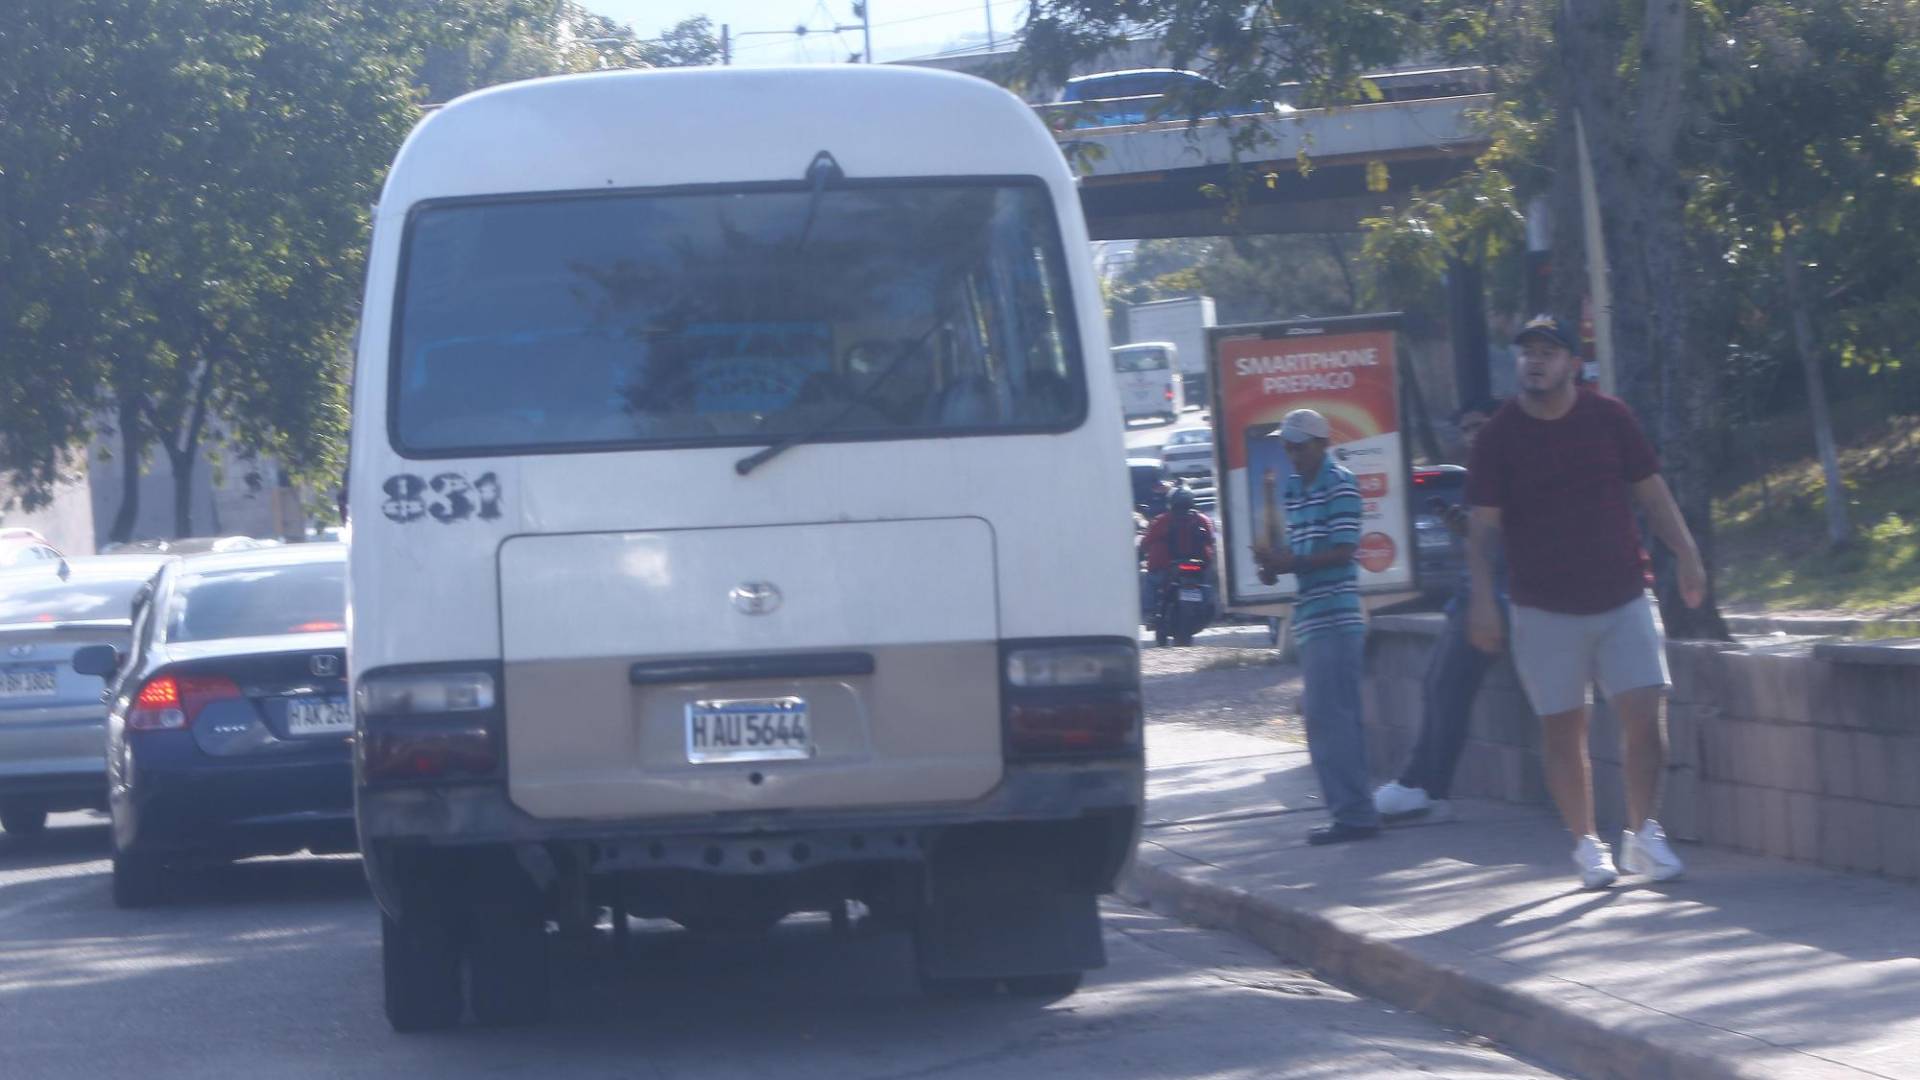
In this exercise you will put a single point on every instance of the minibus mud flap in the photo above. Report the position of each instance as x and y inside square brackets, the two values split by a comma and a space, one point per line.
[995, 934]
[1007, 901]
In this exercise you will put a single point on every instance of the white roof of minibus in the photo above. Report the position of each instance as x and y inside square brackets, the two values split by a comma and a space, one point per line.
[643, 129]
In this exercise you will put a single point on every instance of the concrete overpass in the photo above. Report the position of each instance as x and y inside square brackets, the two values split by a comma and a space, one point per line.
[1150, 180]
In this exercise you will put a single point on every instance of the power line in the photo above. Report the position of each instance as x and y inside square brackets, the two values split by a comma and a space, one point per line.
[983, 48]
[955, 11]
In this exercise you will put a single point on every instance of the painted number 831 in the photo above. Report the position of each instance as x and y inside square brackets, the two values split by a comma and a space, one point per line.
[446, 498]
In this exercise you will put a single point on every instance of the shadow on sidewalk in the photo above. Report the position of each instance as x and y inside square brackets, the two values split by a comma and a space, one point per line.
[1791, 956]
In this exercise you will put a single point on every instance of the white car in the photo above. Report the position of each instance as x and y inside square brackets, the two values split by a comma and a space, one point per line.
[1188, 454]
[25, 548]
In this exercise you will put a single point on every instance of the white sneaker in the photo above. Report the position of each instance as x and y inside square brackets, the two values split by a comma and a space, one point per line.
[1397, 800]
[1646, 852]
[1595, 863]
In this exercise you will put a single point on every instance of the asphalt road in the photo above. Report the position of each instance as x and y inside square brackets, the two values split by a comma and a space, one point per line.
[271, 969]
[1146, 437]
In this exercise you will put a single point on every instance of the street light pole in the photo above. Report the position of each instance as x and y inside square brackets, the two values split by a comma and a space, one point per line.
[988, 4]
[726, 45]
[866, 29]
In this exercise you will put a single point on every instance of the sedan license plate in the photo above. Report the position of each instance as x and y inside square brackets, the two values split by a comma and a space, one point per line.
[28, 682]
[761, 729]
[1192, 596]
[319, 716]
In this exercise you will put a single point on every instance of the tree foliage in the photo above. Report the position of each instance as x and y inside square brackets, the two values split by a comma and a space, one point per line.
[185, 187]
[1252, 278]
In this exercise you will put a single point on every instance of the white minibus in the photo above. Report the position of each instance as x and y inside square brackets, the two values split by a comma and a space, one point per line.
[1148, 379]
[741, 528]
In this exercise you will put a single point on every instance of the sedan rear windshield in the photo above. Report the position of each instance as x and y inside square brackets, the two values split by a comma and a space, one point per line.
[41, 596]
[302, 598]
[893, 310]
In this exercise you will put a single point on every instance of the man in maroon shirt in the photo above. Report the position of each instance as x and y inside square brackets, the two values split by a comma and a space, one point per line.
[1557, 475]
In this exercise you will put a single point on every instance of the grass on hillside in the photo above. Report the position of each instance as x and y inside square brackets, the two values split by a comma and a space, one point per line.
[1771, 530]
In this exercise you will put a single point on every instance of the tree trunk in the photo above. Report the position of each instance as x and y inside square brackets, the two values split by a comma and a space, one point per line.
[133, 442]
[1415, 404]
[1567, 289]
[183, 450]
[182, 462]
[1337, 247]
[1633, 141]
[1839, 529]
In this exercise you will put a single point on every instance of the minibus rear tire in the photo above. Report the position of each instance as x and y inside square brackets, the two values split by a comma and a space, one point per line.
[420, 967]
[507, 965]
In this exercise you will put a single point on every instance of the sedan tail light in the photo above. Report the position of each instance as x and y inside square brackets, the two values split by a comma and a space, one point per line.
[173, 702]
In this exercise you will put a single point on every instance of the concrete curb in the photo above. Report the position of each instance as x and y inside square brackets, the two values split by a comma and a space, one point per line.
[1565, 1025]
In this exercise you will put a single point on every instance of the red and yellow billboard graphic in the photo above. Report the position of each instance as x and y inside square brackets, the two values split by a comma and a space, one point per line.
[1348, 376]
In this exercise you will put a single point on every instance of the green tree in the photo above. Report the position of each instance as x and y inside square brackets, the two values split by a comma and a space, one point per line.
[1252, 278]
[687, 43]
[188, 186]
[1811, 189]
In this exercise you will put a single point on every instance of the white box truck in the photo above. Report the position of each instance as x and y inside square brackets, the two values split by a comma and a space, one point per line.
[1183, 322]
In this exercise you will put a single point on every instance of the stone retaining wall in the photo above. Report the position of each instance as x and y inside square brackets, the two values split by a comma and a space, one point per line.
[1807, 752]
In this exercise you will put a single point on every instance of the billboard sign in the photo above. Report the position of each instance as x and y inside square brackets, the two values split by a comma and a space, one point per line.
[1346, 370]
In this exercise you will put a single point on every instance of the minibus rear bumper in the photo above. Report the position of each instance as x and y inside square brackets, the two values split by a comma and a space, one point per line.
[1093, 806]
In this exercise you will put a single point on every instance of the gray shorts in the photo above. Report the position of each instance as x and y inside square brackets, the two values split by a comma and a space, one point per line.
[1557, 656]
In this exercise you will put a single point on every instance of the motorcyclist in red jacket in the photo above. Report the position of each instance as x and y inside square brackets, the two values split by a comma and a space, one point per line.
[1180, 533]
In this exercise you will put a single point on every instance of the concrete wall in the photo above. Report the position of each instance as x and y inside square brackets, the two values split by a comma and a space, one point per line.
[66, 522]
[1795, 751]
[240, 504]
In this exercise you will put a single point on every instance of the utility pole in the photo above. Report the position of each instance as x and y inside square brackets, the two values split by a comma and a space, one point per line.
[866, 28]
[988, 4]
[726, 45]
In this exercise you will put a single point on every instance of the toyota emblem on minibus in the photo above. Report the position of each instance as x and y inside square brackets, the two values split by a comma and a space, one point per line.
[756, 598]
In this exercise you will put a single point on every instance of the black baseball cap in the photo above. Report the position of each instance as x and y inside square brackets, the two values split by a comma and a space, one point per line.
[1550, 328]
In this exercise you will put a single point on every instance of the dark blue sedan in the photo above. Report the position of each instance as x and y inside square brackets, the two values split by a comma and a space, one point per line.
[228, 723]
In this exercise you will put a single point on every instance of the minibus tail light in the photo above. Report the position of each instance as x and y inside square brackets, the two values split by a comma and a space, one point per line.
[425, 694]
[1072, 699]
[429, 725]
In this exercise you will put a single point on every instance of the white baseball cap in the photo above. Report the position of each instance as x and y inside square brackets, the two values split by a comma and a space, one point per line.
[1301, 425]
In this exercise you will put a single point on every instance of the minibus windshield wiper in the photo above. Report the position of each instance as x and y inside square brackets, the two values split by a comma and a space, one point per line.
[865, 397]
[821, 172]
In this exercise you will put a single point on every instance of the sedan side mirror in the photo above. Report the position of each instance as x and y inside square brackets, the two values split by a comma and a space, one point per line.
[101, 660]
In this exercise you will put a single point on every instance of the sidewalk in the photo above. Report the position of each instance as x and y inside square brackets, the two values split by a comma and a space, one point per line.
[1748, 967]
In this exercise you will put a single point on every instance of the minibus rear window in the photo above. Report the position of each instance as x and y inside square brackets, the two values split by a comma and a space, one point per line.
[1125, 360]
[877, 311]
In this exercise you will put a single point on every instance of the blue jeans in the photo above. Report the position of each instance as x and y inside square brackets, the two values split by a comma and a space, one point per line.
[1332, 666]
[1151, 583]
[1454, 675]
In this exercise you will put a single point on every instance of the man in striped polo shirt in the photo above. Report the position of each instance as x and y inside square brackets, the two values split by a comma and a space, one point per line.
[1323, 530]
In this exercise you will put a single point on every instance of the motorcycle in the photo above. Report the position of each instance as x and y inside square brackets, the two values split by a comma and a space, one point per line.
[1187, 603]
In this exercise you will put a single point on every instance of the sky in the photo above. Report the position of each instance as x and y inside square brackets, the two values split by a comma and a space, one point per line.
[902, 29]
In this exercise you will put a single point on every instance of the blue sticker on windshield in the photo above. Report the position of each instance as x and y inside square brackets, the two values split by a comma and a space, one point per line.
[755, 367]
